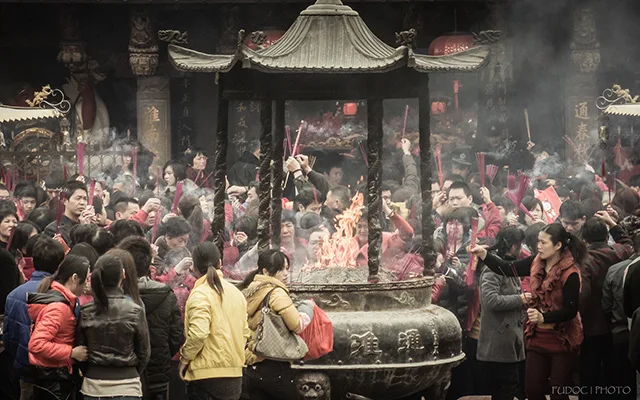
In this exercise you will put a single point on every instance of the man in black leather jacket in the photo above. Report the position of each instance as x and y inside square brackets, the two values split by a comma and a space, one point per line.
[163, 317]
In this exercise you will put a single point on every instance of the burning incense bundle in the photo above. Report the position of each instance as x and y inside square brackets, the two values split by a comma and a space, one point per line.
[481, 168]
[522, 187]
[80, 150]
[406, 114]
[59, 211]
[438, 157]
[491, 172]
[92, 191]
[135, 170]
[177, 197]
[473, 262]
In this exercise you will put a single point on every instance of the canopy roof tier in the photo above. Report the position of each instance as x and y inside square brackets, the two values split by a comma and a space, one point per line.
[625, 110]
[327, 37]
[15, 114]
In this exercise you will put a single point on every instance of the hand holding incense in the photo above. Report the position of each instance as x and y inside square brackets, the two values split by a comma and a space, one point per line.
[80, 150]
[177, 197]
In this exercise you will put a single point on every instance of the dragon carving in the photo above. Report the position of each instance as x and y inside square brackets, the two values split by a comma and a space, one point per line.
[39, 97]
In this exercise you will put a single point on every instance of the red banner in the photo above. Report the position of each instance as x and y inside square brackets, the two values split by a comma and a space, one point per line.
[550, 203]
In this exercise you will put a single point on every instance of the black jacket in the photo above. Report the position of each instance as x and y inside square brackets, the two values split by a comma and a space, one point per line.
[244, 171]
[118, 339]
[165, 328]
[65, 229]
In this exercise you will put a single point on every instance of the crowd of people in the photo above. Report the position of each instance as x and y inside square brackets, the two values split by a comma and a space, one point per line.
[114, 288]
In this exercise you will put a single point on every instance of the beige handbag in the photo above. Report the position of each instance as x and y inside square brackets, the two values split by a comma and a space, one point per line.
[274, 341]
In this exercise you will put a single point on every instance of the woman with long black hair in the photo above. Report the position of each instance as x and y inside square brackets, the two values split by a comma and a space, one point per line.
[114, 329]
[268, 379]
[216, 331]
[554, 329]
[51, 346]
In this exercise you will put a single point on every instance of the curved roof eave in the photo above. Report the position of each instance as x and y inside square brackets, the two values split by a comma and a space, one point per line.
[464, 61]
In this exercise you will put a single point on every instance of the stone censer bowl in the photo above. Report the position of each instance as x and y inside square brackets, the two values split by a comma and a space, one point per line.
[389, 342]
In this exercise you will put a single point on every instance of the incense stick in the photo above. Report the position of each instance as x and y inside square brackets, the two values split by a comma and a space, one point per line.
[59, 211]
[177, 196]
[526, 120]
[92, 190]
[80, 150]
[135, 170]
[481, 168]
[406, 114]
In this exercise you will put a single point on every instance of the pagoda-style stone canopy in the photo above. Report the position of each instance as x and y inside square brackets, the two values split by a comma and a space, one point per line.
[327, 37]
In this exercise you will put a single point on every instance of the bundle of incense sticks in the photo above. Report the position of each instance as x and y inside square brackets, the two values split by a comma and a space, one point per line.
[158, 173]
[491, 172]
[13, 231]
[177, 196]
[604, 178]
[80, 150]
[406, 114]
[452, 239]
[135, 169]
[437, 154]
[618, 159]
[156, 223]
[59, 211]
[294, 150]
[16, 177]
[92, 191]
[522, 187]
[364, 154]
[65, 170]
[473, 262]
[511, 181]
[19, 209]
[481, 168]
[287, 131]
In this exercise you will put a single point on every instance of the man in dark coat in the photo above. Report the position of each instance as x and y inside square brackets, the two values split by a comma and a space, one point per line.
[596, 350]
[245, 169]
[163, 318]
[75, 211]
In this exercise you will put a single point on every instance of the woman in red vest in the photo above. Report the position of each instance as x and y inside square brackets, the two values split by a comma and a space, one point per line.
[553, 332]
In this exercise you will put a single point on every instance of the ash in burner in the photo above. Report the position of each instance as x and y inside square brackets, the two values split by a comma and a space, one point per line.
[340, 275]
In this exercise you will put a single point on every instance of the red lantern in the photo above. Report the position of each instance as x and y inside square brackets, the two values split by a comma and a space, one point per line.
[350, 109]
[272, 36]
[438, 107]
[451, 44]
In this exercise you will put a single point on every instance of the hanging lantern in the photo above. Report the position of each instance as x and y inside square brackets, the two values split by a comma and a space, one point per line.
[450, 44]
[438, 107]
[350, 109]
[262, 39]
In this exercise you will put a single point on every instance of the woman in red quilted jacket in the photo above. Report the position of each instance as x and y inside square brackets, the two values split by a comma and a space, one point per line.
[51, 347]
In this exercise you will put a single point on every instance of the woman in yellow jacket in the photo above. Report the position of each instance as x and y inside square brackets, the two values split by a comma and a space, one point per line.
[268, 379]
[216, 331]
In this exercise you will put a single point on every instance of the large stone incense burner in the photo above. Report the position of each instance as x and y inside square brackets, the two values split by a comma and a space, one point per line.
[389, 342]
